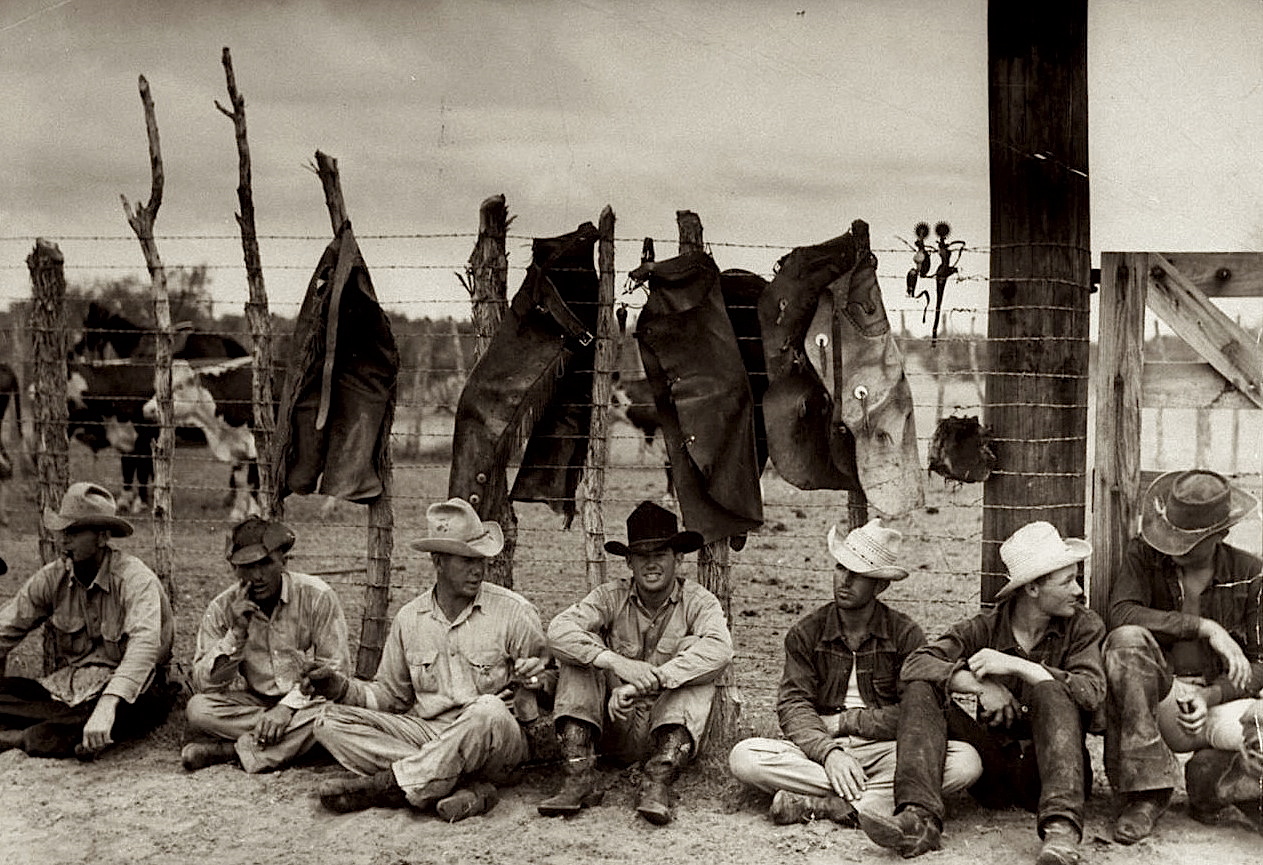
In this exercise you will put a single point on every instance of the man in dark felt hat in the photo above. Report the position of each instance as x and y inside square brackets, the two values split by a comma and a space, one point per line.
[434, 729]
[639, 658]
[254, 642]
[112, 631]
[1183, 657]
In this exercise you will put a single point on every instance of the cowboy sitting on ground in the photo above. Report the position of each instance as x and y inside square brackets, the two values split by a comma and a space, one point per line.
[1184, 655]
[1033, 663]
[112, 632]
[838, 703]
[255, 640]
[638, 659]
[433, 728]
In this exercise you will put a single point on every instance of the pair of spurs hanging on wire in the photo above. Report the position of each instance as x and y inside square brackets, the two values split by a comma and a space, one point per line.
[949, 256]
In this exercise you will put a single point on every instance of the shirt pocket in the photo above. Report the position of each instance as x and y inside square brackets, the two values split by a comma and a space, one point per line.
[423, 668]
[490, 670]
[71, 634]
[670, 646]
[113, 637]
[885, 673]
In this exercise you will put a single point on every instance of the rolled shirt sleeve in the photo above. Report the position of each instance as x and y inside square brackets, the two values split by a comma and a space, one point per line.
[574, 633]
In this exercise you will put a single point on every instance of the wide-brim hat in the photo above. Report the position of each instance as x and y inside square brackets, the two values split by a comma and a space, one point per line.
[455, 528]
[1181, 509]
[797, 410]
[652, 528]
[87, 505]
[4, 567]
[871, 550]
[1036, 549]
[254, 539]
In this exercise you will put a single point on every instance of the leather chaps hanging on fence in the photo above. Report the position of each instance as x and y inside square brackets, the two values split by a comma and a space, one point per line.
[338, 399]
[702, 393]
[534, 384]
[863, 437]
[741, 291]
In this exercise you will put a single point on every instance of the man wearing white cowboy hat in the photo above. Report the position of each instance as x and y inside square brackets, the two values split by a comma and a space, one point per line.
[1184, 654]
[112, 630]
[255, 640]
[1033, 663]
[639, 658]
[838, 703]
[433, 728]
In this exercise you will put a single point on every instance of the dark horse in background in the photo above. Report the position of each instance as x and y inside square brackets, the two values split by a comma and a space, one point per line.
[111, 369]
[10, 390]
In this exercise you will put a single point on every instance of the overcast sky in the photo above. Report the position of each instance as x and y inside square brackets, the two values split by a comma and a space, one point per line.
[777, 123]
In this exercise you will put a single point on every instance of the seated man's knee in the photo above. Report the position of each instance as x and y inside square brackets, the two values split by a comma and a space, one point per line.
[963, 766]
[744, 760]
[198, 712]
[1128, 637]
[488, 708]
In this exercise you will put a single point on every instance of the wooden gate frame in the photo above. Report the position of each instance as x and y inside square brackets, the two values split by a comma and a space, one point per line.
[1177, 287]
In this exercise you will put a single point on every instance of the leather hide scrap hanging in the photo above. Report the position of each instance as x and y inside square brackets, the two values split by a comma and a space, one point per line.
[702, 393]
[533, 384]
[338, 399]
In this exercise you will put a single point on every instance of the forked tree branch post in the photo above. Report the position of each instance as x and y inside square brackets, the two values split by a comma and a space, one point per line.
[141, 219]
[381, 513]
[599, 429]
[257, 314]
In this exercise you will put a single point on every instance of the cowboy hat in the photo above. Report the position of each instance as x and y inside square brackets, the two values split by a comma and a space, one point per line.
[254, 539]
[1037, 549]
[651, 528]
[1181, 509]
[87, 505]
[456, 528]
[868, 551]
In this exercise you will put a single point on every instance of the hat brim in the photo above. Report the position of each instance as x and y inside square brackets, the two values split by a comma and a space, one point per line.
[116, 526]
[1076, 551]
[682, 542]
[1158, 532]
[853, 563]
[252, 553]
[490, 544]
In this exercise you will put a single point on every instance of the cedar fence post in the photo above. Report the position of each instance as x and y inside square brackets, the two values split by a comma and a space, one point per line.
[257, 314]
[713, 569]
[381, 513]
[141, 219]
[598, 433]
[487, 281]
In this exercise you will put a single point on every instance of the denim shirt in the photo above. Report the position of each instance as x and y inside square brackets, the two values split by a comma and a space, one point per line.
[818, 665]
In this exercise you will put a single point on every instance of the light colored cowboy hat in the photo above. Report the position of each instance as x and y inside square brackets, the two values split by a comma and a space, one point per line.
[455, 528]
[1036, 549]
[87, 505]
[254, 539]
[1180, 509]
[869, 551]
[652, 528]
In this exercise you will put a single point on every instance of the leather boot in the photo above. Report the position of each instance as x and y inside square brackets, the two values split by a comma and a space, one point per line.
[789, 807]
[199, 755]
[578, 755]
[911, 832]
[469, 801]
[378, 790]
[1061, 843]
[673, 745]
[1216, 779]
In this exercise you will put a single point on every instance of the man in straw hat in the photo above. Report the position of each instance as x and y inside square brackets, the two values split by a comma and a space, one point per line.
[1184, 653]
[433, 729]
[838, 703]
[112, 632]
[639, 658]
[1033, 663]
[255, 640]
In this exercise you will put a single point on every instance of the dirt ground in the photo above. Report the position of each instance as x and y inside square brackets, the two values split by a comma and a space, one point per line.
[135, 804]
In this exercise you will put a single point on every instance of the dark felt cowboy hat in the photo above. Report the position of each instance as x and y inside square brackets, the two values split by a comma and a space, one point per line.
[87, 506]
[651, 528]
[1181, 509]
[254, 539]
[456, 528]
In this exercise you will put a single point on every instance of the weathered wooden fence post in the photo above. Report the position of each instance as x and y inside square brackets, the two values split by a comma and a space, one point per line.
[381, 513]
[488, 285]
[599, 431]
[141, 219]
[257, 314]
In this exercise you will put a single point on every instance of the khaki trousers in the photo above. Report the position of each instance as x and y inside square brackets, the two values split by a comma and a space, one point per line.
[233, 715]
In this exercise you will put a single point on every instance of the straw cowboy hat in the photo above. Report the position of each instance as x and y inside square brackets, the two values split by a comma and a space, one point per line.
[87, 505]
[254, 539]
[456, 528]
[1036, 549]
[651, 528]
[1181, 509]
[869, 551]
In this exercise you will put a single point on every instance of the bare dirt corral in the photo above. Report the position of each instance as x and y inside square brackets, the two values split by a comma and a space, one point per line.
[135, 805]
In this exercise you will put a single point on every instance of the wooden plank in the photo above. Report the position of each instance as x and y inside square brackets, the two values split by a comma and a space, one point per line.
[1188, 384]
[1221, 274]
[1116, 477]
[1206, 328]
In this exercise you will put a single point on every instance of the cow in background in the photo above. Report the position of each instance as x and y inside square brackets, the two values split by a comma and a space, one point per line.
[10, 390]
[631, 401]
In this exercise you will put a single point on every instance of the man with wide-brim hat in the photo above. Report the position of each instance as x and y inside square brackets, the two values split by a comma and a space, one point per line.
[112, 629]
[1033, 665]
[434, 728]
[1183, 656]
[838, 703]
[639, 657]
[255, 640]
